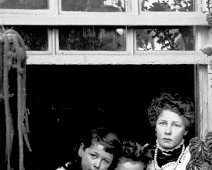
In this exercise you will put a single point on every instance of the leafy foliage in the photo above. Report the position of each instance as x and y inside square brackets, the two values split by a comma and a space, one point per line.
[208, 142]
[166, 38]
[167, 5]
[198, 149]
[194, 164]
[35, 37]
[201, 153]
[208, 4]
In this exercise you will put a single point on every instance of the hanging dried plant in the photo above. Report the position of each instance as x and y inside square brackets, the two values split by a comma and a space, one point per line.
[13, 57]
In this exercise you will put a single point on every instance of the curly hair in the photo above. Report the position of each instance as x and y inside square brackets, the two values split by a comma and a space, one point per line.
[136, 152]
[182, 106]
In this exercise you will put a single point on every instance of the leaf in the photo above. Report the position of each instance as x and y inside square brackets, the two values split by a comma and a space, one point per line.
[208, 143]
[197, 148]
[193, 143]
[206, 166]
[194, 164]
[189, 165]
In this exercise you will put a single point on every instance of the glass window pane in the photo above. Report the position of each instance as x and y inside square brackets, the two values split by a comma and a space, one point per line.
[94, 5]
[24, 4]
[167, 5]
[35, 37]
[92, 38]
[165, 38]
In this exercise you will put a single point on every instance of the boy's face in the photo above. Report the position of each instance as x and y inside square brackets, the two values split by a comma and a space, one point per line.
[95, 157]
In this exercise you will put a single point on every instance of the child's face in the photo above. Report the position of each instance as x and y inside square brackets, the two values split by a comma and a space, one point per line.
[95, 157]
[130, 165]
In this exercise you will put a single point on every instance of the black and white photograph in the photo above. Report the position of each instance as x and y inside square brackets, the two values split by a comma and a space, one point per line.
[106, 84]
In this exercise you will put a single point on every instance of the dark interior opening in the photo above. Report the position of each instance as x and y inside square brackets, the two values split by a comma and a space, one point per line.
[66, 100]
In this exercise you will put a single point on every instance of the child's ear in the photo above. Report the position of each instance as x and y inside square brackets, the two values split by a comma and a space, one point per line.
[81, 149]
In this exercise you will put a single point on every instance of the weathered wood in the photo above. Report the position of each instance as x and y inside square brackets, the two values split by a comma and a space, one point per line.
[202, 112]
[2, 117]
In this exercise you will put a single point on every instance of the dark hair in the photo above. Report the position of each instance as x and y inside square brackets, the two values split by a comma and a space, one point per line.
[134, 151]
[105, 137]
[181, 106]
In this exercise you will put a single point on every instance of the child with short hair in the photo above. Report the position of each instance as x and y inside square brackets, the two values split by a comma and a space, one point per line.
[99, 150]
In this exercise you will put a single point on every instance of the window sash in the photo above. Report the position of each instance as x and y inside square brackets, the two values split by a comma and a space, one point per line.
[133, 17]
[132, 6]
[152, 57]
[111, 19]
[130, 56]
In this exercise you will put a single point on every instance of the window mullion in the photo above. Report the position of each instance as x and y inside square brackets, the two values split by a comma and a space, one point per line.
[210, 96]
[201, 37]
[54, 6]
[130, 40]
[202, 102]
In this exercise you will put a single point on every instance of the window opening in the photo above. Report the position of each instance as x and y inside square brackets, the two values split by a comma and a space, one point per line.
[165, 38]
[24, 4]
[60, 95]
[35, 37]
[168, 5]
[92, 38]
[94, 5]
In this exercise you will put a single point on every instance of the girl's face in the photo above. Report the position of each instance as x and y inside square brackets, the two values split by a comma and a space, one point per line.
[95, 157]
[130, 165]
[170, 129]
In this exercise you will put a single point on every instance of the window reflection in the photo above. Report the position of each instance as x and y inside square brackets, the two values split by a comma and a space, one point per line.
[24, 4]
[92, 38]
[94, 5]
[165, 38]
[35, 37]
[167, 5]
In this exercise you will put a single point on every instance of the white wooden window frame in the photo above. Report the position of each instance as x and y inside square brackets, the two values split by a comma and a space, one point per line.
[54, 17]
[133, 17]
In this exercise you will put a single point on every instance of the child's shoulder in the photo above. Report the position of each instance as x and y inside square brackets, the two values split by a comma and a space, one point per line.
[65, 167]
